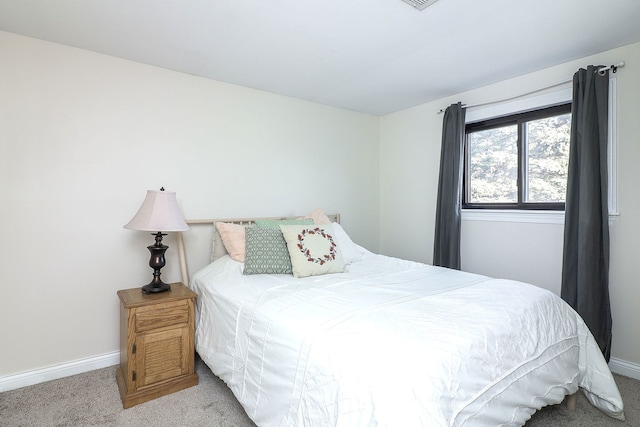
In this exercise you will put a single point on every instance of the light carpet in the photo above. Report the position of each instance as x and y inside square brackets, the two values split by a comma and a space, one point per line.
[92, 399]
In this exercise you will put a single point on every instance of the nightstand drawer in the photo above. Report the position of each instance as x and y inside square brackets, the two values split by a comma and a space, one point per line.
[162, 316]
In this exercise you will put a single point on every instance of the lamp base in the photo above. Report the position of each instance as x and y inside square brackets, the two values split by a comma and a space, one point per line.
[155, 287]
[156, 262]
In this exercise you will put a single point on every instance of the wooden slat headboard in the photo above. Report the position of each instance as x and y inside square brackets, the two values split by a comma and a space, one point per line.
[211, 223]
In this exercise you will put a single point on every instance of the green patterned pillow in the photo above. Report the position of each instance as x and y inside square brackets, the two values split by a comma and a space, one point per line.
[276, 223]
[266, 252]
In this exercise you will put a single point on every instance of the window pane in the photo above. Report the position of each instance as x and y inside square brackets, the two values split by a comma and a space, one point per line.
[493, 165]
[548, 158]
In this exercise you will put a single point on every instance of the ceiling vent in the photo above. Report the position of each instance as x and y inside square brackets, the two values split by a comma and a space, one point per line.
[420, 4]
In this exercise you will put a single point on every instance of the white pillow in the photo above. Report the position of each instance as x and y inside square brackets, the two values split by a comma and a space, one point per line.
[218, 250]
[350, 251]
[313, 249]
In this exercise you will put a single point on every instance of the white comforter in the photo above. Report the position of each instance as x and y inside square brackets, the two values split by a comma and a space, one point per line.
[394, 343]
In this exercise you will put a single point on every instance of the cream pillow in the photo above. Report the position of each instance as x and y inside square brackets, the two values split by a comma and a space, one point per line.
[233, 238]
[313, 249]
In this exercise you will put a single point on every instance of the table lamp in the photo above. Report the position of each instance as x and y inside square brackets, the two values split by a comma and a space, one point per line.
[159, 213]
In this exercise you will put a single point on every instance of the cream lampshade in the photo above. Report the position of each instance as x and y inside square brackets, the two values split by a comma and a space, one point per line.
[159, 213]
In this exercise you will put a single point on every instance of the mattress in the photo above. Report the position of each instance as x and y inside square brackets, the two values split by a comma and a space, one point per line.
[391, 342]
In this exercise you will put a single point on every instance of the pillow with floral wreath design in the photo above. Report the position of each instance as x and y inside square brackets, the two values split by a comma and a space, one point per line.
[313, 249]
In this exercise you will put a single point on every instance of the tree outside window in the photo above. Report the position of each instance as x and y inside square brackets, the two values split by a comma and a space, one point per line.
[519, 161]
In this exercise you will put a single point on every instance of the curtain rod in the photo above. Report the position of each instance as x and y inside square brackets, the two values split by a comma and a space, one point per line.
[601, 71]
[613, 68]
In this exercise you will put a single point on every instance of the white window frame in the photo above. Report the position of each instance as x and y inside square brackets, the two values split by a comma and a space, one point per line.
[541, 101]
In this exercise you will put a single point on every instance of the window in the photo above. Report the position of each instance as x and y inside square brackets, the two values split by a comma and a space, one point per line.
[519, 161]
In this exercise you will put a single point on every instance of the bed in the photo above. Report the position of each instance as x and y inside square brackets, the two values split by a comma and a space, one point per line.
[388, 342]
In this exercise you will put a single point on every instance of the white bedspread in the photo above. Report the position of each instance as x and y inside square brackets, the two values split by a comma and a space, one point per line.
[394, 343]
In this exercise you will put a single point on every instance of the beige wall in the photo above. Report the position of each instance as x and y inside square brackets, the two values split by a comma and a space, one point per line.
[84, 135]
[410, 147]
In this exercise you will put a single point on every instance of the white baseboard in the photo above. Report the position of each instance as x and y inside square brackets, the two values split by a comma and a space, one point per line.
[622, 367]
[13, 382]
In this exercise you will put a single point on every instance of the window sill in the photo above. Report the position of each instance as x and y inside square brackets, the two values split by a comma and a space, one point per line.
[528, 216]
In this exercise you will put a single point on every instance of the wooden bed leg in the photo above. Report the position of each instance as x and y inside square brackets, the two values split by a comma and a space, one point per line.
[571, 401]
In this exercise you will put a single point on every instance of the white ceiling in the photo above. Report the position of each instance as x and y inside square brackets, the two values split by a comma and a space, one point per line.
[373, 56]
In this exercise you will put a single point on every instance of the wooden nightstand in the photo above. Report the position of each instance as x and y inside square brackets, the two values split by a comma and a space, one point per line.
[156, 343]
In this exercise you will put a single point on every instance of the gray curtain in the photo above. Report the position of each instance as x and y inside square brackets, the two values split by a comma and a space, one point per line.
[585, 267]
[446, 246]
